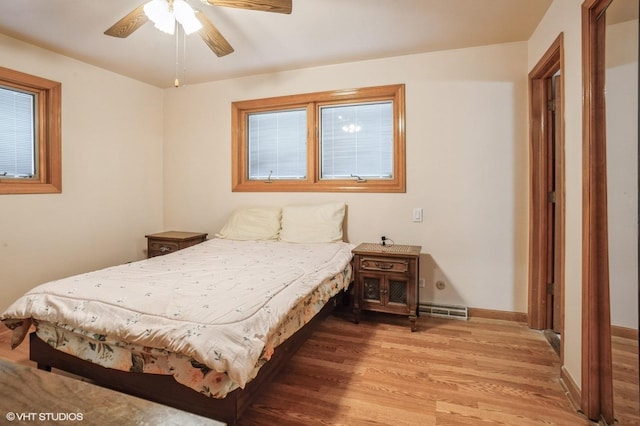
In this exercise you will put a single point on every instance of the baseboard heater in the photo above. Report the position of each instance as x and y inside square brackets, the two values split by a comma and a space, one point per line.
[444, 311]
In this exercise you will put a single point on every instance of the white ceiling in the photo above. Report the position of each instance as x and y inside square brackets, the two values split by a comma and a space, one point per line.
[318, 32]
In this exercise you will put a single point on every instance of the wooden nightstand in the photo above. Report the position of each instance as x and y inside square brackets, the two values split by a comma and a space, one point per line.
[386, 280]
[170, 241]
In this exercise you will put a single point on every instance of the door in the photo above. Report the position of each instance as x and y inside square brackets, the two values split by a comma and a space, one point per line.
[554, 284]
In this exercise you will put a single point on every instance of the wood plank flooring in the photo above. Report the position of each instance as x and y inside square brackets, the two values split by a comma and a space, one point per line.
[625, 381]
[449, 372]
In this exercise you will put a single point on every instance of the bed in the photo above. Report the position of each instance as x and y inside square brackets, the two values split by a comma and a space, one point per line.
[200, 329]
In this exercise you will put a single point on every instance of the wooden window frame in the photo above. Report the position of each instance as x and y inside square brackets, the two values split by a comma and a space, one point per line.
[312, 102]
[48, 134]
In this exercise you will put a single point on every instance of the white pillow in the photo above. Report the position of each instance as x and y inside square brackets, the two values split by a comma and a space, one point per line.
[312, 223]
[252, 223]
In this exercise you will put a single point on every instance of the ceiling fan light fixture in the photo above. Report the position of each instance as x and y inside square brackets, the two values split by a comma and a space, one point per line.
[164, 13]
[158, 12]
[186, 16]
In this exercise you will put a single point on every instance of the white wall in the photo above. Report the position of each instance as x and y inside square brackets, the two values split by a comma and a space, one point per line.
[467, 165]
[622, 170]
[111, 177]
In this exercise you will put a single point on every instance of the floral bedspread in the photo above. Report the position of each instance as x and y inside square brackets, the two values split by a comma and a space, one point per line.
[210, 314]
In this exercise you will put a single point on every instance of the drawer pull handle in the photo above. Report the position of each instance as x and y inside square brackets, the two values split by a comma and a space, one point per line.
[165, 249]
[384, 265]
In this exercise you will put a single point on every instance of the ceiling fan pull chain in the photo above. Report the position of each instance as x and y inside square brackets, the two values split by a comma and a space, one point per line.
[176, 82]
[184, 58]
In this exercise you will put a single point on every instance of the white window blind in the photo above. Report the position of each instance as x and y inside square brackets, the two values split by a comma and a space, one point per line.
[17, 139]
[278, 145]
[357, 140]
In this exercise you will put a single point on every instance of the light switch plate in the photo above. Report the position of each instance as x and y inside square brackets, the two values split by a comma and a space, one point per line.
[417, 214]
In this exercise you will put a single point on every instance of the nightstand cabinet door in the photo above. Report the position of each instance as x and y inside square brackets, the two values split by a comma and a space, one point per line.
[398, 290]
[385, 293]
[371, 291]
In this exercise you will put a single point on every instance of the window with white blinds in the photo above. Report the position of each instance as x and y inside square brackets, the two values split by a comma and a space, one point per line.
[278, 145]
[357, 141]
[349, 140]
[17, 134]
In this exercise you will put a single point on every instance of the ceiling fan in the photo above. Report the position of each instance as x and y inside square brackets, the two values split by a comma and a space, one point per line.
[209, 33]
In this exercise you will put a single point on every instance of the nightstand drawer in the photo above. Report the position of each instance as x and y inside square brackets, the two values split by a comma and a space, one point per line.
[386, 264]
[162, 247]
[171, 241]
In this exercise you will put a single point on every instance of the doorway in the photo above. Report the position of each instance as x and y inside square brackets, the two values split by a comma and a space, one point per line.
[547, 212]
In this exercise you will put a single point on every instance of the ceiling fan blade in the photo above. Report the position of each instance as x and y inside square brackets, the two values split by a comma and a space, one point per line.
[278, 6]
[127, 25]
[212, 36]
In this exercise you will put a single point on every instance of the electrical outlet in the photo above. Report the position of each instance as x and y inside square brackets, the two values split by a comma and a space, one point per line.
[421, 283]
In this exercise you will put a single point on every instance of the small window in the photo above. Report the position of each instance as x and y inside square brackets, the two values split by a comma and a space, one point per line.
[349, 140]
[357, 141]
[30, 146]
[17, 134]
[277, 145]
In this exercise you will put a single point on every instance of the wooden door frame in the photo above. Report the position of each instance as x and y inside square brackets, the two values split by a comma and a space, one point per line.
[550, 63]
[597, 379]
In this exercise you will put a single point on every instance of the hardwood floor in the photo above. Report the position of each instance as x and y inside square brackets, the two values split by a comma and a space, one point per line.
[449, 372]
[625, 381]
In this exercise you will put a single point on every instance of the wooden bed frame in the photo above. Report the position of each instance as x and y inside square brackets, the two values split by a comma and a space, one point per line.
[164, 389]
